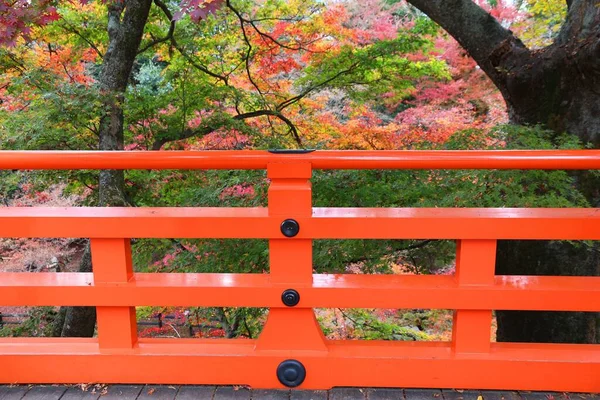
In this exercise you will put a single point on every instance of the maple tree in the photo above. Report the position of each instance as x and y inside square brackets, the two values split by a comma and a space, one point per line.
[18, 16]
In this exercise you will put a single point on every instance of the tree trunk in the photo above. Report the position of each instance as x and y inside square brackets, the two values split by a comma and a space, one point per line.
[78, 321]
[558, 87]
[126, 21]
[546, 258]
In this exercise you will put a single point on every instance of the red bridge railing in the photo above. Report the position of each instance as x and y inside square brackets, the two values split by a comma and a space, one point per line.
[291, 350]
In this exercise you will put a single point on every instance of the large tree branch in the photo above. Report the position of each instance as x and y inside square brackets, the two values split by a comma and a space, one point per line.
[197, 65]
[491, 45]
[277, 113]
[71, 29]
[569, 2]
[169, 35]
[249, 48]
[292, 100]
[267, 37]
[205, 130]
[581, 25]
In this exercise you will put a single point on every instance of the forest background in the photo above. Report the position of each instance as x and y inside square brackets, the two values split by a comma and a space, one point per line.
[262, 74]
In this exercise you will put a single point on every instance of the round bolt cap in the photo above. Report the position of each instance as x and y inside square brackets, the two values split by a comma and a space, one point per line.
[291, 373]
[290, 228]
[290, 297]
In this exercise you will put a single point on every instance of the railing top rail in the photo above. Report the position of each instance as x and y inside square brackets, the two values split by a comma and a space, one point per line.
[322, 159]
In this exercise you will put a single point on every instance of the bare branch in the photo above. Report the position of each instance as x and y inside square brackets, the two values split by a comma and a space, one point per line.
[205, 130]
[291, 126]
[271, 38]
[174, 329]
[252, 22]
[248, 44]
[197, 65]
[71, 29]
[295, 99]
[169, 35]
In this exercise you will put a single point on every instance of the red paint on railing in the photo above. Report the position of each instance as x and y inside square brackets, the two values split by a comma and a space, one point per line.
[326, 159]
[470, 360]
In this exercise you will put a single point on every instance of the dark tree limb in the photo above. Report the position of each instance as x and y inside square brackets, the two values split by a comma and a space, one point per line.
[171, 37]
[249, 47]
[197, 65]
[582, 22]
[484, 38]
[264, 35]
[277, 113]
[288, 102]
[205, 130]
[71, 29]
[170, 33]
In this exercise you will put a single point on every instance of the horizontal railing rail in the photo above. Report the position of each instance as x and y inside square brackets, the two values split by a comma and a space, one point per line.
[324, 223]
[322, 159]
[291, 350]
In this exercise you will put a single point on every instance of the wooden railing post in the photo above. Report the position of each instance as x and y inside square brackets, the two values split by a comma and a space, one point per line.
[111, 263]
[291, 328]
[475, 265]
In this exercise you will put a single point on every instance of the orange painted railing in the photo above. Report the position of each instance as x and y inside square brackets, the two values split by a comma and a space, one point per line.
[292, 343]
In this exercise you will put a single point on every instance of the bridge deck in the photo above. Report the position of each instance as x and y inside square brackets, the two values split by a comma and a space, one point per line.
[158, 392]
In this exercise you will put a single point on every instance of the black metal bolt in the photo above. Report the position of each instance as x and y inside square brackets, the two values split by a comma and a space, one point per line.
[290, 228]
[291, 373]
[290, 297]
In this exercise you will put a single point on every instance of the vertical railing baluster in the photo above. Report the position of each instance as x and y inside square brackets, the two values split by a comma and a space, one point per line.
[291, 328]
[475, 265]
[111, 262]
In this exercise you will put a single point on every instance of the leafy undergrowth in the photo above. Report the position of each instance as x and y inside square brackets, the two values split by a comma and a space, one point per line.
[386, 324]
[41, 254]
[36, 255]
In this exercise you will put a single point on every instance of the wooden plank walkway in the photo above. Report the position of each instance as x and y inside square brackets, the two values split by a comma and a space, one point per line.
[163, 392]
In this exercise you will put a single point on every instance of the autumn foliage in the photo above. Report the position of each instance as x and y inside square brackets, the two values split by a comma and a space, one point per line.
[366, 75]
